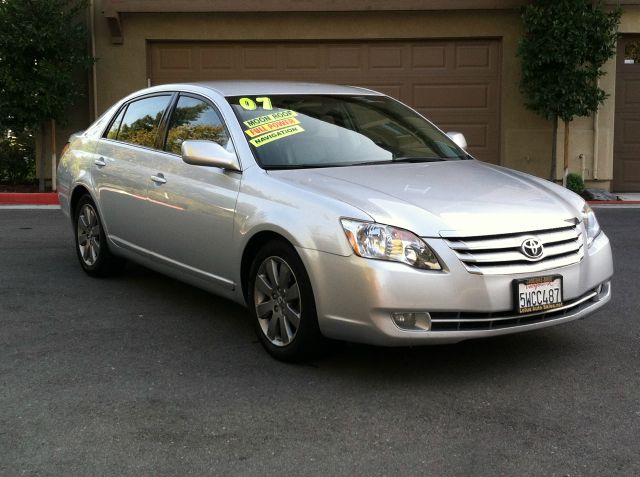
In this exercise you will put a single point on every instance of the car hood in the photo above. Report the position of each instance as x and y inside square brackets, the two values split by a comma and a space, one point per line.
[452, 198]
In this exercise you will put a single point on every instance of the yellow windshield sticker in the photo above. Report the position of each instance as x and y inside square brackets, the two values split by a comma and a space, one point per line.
[265, 102]
[275, 135]
[249, 104]
[270, 118]
[272, 126]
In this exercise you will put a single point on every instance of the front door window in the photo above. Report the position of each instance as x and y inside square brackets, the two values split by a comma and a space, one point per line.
[194, 119]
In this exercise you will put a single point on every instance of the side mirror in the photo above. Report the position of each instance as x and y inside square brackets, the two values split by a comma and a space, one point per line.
[208, 153]
[458, 138]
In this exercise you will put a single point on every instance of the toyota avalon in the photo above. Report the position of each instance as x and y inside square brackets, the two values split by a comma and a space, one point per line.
[330, 212]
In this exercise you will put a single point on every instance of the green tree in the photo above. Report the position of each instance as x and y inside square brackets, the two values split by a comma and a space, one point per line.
[43, 45]
[563, 49]
[16, 158]
[188, 114]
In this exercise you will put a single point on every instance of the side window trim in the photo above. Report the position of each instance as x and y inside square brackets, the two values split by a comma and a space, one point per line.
[198, 97]
[164, 122]
[124, 109]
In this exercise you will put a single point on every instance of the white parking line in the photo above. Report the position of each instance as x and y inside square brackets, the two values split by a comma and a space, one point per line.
[23, 207]
[615, 206]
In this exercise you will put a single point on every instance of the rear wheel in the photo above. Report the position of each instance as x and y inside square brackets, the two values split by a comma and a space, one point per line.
[282, 304]
[91, 244]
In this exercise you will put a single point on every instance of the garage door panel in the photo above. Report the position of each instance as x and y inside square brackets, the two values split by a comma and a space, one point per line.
[455, 83]
[222, 58]
[478, 58]
[259, 58]
[451, 96]
[430, 57]
[303, 58]
[631, 168]
[630, 132]
[176, 58]
[344, 58]
[384, 59]
[631, 93]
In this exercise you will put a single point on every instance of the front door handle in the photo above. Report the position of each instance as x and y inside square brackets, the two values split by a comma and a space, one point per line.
[100, 162]
[159, 179]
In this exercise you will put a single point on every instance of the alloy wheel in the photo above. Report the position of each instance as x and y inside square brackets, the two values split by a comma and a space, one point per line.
[277, 301]
[88, 235]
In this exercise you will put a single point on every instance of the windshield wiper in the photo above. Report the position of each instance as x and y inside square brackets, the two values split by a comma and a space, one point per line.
[398, 159]
[277, 167]
[417, 159]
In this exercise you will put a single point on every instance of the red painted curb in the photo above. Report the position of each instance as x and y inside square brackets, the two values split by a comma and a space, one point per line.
[51, 198]
[28, 198]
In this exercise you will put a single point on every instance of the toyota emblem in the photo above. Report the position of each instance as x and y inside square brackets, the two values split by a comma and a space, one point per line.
[532, 248]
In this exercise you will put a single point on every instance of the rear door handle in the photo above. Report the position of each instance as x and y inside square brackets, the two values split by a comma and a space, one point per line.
[100, 162]
[159, 179]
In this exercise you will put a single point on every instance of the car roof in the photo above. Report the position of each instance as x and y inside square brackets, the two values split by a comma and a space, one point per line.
[248, 87]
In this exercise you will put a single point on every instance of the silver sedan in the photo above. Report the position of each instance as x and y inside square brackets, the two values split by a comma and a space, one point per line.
[331, 212]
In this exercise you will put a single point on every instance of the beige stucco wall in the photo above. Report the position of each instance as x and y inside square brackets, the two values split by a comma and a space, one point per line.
[525, 138]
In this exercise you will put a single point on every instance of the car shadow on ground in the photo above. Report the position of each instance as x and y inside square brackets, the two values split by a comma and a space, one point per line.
[222, 331]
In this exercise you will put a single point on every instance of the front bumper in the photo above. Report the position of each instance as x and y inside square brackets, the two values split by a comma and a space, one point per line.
[355, 297]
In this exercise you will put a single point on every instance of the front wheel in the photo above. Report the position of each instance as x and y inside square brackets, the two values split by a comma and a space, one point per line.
[282, 304]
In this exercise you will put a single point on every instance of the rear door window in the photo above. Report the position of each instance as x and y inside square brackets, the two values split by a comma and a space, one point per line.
[115, 125]
[141, 122]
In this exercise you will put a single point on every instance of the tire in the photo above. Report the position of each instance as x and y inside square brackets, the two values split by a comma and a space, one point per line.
[282, 304]
[91, 243]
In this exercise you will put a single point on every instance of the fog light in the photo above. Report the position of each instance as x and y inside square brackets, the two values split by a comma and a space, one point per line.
[413, 321]
[602, 291]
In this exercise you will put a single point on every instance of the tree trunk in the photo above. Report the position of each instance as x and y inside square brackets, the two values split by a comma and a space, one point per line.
[41, 159]
[53, 155]
[554, 150]
[566, 154]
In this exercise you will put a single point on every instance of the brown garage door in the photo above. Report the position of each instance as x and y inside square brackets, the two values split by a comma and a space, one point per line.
[626, 149]
[455, 83]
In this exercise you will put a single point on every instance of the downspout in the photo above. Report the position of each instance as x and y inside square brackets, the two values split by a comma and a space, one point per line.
[596, 139]
[94, 79]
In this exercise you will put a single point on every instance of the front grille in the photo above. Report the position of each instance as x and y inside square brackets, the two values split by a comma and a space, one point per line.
[461, 321]
[501, 255]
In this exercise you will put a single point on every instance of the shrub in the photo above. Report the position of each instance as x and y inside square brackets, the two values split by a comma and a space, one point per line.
[575, 183]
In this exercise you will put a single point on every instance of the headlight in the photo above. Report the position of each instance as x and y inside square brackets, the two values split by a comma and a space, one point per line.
[383, 242]
[590, 223]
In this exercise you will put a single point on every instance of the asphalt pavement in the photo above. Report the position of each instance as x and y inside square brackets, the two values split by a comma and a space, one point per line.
[143, 375]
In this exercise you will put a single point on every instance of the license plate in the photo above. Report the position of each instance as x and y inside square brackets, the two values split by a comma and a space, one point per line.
[538, 293]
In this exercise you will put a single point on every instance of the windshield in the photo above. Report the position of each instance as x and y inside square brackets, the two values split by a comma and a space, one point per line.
[298, 131]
